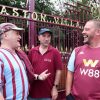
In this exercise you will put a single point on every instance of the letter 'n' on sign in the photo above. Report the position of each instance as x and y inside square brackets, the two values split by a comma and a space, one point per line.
[90, 62]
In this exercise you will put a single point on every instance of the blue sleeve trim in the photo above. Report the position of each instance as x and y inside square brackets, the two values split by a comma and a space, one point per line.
[71, 62]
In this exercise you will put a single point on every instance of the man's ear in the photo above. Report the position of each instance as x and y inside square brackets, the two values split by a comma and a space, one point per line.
[5, 35]
[38, 37]
[98, 31]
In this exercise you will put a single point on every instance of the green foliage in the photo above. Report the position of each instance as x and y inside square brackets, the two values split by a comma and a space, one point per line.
[13, 3]
[85, 2]
[44, 6]
[93, 7]
[5, 2]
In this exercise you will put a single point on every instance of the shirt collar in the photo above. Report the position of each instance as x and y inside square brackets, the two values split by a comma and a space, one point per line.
[49, 48]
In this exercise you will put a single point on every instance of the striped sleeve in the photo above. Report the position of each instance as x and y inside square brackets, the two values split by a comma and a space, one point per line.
[1, 74]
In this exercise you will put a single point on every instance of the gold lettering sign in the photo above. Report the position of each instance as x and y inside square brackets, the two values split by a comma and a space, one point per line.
[15, 13]
[22, 13]
[34, 16]
[3, 10]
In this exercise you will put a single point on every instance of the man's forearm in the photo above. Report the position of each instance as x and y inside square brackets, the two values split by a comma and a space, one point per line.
[54, 91]
[69, 82]
[57, 77]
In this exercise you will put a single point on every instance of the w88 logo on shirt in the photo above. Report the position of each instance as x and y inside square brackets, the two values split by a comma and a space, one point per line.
[90, 72]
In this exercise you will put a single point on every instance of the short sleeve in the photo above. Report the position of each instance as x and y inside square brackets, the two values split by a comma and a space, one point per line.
[71, 62]
[58, 60]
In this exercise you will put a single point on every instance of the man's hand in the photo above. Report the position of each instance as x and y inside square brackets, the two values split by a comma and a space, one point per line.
[54, 93]
[44, 75]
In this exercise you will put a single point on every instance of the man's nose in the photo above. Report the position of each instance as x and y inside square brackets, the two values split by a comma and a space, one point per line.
[20, 36]
[46, 38]
[83, 32]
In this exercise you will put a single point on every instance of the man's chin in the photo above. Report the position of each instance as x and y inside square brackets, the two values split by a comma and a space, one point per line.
[46, 45]
[85, 42]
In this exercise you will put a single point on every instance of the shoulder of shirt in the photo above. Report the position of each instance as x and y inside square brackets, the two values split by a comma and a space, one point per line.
[34, 49]
[51, 48]
[2, 50]
[79, 47]
[2, 58]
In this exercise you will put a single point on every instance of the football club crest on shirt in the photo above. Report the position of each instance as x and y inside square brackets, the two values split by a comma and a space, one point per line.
[48, 60]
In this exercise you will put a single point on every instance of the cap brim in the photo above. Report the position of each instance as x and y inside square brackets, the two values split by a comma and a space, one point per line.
[45, 32]
[18, 29]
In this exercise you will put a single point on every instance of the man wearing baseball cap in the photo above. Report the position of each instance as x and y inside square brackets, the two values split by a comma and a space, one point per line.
[45, 57]
[14, 64]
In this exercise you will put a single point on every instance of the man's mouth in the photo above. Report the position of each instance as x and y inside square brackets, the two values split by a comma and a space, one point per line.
[85, 36]
[18, 40]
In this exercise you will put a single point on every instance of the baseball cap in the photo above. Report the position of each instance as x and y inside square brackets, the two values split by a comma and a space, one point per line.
[4, 27]
[43, 30]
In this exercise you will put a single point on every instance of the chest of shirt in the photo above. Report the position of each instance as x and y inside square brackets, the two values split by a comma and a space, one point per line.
[43, 62]
[88, 59]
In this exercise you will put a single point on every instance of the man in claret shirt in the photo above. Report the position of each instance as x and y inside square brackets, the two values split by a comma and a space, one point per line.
[83, 77]
[45, 57]
[14, 64]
